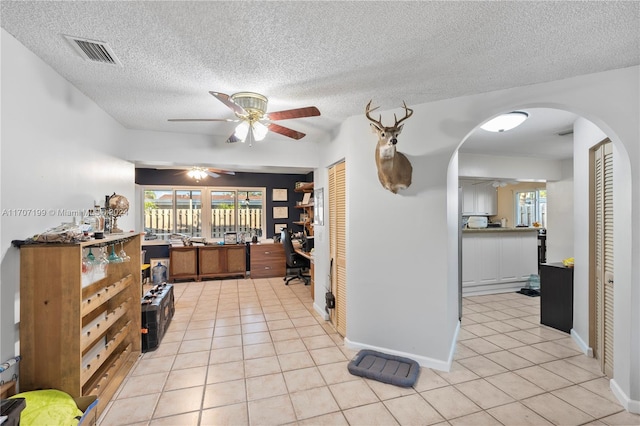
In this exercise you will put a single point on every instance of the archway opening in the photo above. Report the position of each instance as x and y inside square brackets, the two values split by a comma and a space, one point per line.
[566, 185]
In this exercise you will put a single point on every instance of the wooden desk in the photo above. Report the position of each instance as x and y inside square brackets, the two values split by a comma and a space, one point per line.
[311, 266]
[267, 260]
[303, 253]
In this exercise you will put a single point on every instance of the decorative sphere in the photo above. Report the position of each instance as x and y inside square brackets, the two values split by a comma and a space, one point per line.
[118, 204]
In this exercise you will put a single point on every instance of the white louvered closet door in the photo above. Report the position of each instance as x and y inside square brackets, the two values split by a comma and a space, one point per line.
[603, 197]
[337, 244]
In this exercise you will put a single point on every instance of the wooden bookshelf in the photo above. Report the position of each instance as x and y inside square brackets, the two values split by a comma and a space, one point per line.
[79, 333]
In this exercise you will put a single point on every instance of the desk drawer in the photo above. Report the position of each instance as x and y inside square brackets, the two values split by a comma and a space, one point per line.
[268, 261]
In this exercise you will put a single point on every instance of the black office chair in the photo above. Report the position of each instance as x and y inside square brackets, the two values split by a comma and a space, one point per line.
[295, 263]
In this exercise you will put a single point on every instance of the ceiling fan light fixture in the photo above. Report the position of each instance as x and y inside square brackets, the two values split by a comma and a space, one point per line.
[259, 130]
[197, 173]
[251, 102]
[250, 110]
[242, 130]
[505, 122]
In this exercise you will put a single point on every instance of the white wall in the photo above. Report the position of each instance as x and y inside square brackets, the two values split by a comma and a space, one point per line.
[332, 153]
[398, 246]
[168, 149]
[57, 153]
[560, 216]
[504, 167]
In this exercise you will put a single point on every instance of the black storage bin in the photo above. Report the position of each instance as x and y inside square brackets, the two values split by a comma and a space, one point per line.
[158, 307]
[12, 409]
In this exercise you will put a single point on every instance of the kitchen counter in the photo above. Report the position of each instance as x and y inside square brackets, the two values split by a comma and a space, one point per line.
[489, 230]
[498, 260]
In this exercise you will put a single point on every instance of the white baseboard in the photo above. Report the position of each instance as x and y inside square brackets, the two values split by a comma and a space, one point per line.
[424, 361]
[630, 405]
[493, 288]
[321, 311]
[588, 351]
[452, 349]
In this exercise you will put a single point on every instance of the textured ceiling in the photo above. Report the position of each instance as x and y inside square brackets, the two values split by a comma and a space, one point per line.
[334, 55]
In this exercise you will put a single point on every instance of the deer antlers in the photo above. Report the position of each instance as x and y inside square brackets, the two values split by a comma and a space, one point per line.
[368, 110]
[408, 112]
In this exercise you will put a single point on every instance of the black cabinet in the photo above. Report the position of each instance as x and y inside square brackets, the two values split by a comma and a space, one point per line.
[556, 296]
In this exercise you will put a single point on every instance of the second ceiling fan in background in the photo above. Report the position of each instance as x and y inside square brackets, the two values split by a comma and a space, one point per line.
[251, 111]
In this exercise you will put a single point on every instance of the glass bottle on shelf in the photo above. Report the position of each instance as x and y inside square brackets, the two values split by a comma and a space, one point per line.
[99, 219]
[90, 220]
[106, 212]
[107, 220]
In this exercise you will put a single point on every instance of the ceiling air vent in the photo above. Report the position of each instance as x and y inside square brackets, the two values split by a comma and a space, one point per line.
[92, 50]
[565, 132]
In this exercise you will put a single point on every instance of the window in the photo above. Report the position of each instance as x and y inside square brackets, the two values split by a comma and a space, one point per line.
[531, 206]
[204, 212]
[188, 213]
[236, 211]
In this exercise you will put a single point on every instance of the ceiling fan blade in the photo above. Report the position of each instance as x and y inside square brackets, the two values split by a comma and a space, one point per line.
[212, 174]
[294, 113]
[223, 172]
[233, 138]
[203, 119]
[285, 131]
[225, 99]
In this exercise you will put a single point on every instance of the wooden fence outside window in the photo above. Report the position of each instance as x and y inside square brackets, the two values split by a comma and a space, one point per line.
[189, 222]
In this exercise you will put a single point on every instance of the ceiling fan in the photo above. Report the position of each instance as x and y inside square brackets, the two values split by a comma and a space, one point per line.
[199, 173]
[251, 111]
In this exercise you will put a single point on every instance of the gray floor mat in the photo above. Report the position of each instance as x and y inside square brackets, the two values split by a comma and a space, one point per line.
[385, 368]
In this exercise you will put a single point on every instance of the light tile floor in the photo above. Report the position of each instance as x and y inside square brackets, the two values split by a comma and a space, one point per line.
[254, 352]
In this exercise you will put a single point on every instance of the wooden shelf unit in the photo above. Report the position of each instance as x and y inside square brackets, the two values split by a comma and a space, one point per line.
[78, 338]
[306, 208]
[217, 261]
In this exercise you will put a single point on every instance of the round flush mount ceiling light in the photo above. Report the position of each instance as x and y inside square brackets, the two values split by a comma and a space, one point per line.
[505, 122]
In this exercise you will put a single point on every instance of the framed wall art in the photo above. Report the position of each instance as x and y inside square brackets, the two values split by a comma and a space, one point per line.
[279, 194]
[318, 207]
[280, 212]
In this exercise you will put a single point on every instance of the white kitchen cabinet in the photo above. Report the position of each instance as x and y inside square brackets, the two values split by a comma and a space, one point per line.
[496, 261]
[486, 199]
[468, 197]
[479, 198]
[480, 261]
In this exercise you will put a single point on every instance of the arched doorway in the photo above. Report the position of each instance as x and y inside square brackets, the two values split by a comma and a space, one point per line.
[577, 183]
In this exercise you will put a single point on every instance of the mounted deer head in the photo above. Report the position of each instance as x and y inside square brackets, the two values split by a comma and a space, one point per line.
[394, 169]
